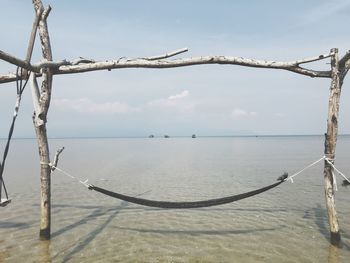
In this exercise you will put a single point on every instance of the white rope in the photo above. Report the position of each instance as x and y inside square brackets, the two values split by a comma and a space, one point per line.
[305, 168]
[339, 172]
[335, 185]
[85, 183]
[18, 103]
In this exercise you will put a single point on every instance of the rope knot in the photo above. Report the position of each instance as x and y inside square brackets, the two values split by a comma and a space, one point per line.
[283, 177]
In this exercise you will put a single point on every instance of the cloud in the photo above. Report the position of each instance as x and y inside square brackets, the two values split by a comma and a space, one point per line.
[240, 113]
[181, 95]
[175, 102]
[178, 102]
[86, 105]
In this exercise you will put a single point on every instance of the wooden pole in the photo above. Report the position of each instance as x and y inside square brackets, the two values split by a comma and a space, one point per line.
[39, 121]
[45, 182]
[330, 145]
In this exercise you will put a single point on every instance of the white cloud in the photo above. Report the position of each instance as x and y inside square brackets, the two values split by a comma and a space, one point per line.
[241, 113]
[178, 102]
[181, 95]
[86, 105]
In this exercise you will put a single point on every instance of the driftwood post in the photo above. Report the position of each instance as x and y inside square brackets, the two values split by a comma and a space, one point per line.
[330, 145]
[39, 121]
[338, 73]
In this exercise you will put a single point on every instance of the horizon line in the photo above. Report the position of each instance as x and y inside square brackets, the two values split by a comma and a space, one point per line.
[173, 136]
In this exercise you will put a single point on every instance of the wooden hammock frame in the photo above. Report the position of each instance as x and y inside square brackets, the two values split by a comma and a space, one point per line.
[47, 68]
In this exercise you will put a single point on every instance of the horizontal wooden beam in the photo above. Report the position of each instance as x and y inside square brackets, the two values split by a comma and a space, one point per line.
[161, 62]
[17, 61]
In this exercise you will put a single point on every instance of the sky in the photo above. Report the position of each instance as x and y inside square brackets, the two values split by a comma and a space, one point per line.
[207, 100]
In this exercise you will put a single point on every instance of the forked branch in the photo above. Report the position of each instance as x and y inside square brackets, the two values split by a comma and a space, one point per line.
[84, 65]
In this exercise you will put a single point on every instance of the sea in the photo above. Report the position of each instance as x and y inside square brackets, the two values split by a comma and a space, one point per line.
[285, 224]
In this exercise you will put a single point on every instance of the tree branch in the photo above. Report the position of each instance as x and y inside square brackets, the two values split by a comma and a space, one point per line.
[10, 77]
[17, 61]
[75, 66]
[38, 112]
[168, 55]
[344, 66]
[308, 60]
[81, 60]
[55, 160]
[46, 85]
[223, 60]
[345, 61]
[33, 35]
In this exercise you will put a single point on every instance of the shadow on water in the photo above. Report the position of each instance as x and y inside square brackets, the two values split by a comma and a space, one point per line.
[89, 237]
[45, 255]
[18, 225]
[99, 211]
[84, 241]
[198, 232]
[95, 214]
[319, 214]
[345, 241]
[150, 209]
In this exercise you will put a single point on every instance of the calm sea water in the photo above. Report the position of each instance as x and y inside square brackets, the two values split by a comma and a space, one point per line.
[286, 224]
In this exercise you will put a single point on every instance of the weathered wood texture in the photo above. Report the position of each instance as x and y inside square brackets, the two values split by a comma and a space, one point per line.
[159, 62]
[344, 66]
[330, 146]
[40, 128]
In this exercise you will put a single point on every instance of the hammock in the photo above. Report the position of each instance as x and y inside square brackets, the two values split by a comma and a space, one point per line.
[194, 204]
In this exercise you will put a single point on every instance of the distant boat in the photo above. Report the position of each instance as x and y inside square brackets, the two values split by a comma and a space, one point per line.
[194, 136]
[151, 136]
[166, 136]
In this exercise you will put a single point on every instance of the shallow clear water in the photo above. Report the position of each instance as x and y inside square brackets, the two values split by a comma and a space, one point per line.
[285, 224]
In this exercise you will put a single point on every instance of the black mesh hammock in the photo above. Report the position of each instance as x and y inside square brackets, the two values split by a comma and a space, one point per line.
[20, 88]
[194, 204]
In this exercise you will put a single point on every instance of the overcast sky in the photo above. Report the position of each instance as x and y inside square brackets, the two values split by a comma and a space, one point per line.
[205, 100]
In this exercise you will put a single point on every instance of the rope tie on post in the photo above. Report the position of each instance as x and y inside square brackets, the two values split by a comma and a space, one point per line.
[346, 180]
[85, 182]
[330, 162]
[290, 178]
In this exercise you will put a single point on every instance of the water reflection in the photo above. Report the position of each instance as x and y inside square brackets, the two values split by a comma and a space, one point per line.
[333, 254]
[45, 255]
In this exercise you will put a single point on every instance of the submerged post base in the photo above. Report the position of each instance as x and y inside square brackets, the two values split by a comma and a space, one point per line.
[45, 234]
[335, 238]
